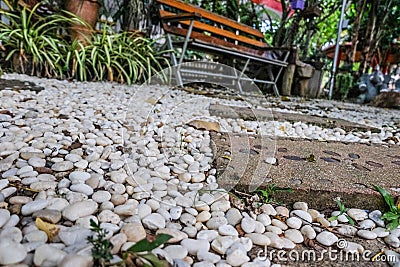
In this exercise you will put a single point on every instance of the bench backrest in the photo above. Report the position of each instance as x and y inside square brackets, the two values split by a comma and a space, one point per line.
[211, 27]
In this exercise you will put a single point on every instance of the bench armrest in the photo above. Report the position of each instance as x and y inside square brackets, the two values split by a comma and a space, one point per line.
[181, 17]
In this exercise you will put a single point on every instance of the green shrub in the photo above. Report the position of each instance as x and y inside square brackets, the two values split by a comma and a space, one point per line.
[32, 43]
[35, 45]
[121, 57]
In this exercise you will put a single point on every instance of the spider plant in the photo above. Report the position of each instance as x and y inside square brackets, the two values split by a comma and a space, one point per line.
[32, 42]
[121, 57]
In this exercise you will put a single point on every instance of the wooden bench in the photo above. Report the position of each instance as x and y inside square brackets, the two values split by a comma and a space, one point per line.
[208, 32]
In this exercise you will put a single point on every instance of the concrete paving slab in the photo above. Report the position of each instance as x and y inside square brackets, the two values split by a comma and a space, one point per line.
[266, 115]
[317, 171]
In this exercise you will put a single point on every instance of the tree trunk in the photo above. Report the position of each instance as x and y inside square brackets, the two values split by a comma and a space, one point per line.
[354, 42]
[279, 36]
[132, 15]
[381, 26]
[293, 29]
[369, 36]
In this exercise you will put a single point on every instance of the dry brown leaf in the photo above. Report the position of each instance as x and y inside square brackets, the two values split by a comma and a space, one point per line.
[50, 229]
[239, 230]
[6, 112]
[151, 101]
[207, 125]
[309, 242]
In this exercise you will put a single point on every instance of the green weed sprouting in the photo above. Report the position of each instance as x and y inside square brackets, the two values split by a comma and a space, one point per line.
[343, 211]
[101, 251]
[393, 215]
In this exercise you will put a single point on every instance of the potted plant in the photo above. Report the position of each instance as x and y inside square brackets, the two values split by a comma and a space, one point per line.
[88, 11]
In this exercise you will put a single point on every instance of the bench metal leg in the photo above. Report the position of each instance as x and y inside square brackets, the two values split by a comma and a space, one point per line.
[174, 66]
[279, 74]
[238, 84]
[241, 75]
[274, 80]
[185, 44]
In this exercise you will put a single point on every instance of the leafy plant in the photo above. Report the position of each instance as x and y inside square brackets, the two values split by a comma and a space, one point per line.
[141, 252]
[122, 57]
[343, 211]
[32, 42]
[101, 251]
[266, 194]
[393, 215]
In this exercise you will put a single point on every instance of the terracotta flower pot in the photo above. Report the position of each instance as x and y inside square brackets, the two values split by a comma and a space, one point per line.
[88, 10]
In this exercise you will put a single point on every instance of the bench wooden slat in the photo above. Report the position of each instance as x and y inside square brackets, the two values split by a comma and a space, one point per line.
[214, 30]
[212, 40]
[170, 17]
[212, 16]
[257, 54]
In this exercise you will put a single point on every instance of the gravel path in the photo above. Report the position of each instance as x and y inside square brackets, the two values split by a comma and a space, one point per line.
[125, 157]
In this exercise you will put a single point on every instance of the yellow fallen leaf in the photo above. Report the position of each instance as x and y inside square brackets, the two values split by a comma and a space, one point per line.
[226, 157]
[282, 128]
[207, 125]
[50, 229]
[151, 101]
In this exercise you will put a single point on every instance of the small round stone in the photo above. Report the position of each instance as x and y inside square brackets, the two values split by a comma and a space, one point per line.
[203, 216]
[176, 251]
[268, 209]
[193, 245]
[264, 219]
[62, 166]
[208, 235]
[357, 214]
[216, 222]
[37, 162]
[237, 258]
[367, 234]
[381, 232]
[302, 215]
[227, 230]
[4, 216]
[283, 211]
[300, 206]
[11, 252]
[259, 239]
[175, 212]
[34, 206]
[101, 196]
[294, 235]
[233, 216]
[79, 209]
[376, 217]
[294, 222]
[367, 224]
[308, 231]
[278, 223]
[392, 240]
[154, 221]
[327, 238]
[248, 225]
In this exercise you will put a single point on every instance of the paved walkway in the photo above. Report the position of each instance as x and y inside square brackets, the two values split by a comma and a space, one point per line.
[317, 171]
